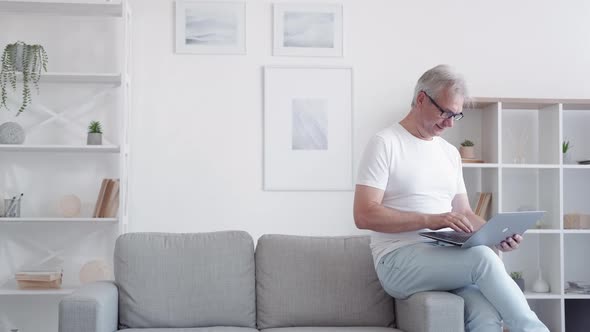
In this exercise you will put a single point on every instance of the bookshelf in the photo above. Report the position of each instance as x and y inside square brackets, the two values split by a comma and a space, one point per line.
[519, 140]
[87, 81]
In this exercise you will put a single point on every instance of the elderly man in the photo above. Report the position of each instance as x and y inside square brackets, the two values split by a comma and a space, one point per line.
[411, 180]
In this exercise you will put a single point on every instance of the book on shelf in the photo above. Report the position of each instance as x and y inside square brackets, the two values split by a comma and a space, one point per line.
[483, 204]
[107, 203]
[38, 275]
[26, 284]
[100, 198]
[39, 279]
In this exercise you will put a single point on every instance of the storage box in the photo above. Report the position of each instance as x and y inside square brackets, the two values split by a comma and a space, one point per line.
[576, 221]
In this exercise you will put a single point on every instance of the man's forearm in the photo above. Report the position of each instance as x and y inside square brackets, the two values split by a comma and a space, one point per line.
[387, 220]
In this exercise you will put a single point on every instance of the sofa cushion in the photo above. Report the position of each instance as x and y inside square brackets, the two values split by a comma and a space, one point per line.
[185, 280]
[318, 281]
[196, 329]
[333, 329]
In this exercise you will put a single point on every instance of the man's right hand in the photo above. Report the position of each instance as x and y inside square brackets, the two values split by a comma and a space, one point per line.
[456, 221]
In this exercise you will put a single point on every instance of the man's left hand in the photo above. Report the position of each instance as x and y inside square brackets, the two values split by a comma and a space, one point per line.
[511, 243]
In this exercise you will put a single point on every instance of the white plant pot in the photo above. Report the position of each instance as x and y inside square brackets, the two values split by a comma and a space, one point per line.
[467, 152]
[94, 139]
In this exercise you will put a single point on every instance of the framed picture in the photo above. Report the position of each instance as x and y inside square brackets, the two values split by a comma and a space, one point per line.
[307, 129]
[307, 29]
[210, 27]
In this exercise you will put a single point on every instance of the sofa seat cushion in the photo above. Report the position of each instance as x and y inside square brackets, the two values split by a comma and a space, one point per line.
[319, 281]
[332, 329]
[197, 329]
[170, 280]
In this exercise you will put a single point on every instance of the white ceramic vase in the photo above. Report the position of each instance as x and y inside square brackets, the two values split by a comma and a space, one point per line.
[540, 285]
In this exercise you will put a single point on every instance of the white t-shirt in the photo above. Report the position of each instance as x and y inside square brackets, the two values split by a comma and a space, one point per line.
[416, 175]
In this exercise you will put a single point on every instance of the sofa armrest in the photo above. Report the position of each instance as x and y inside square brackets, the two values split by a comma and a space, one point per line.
[92, 308]
[429, 312]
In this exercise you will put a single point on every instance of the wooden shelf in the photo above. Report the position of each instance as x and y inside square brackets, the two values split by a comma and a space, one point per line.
[531, 166]
[89, 221]
[576, 166]
[576, 231]
[480, 165]
[60, 148]
[79, 78]
[576, 296]
[62, 8]
[533, 295]
[543, 231]
[16, 291]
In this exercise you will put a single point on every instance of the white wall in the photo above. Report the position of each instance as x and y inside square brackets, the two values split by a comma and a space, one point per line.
[196, 131]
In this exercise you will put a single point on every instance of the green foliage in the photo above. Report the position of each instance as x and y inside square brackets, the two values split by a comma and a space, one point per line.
[94, 127]
[566, 146]
[34, 62]
[467, 143]
[516, 275]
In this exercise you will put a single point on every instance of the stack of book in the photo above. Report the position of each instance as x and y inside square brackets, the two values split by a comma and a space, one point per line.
[484, 202]
[39, 279]
[107, 203]
[578, 287]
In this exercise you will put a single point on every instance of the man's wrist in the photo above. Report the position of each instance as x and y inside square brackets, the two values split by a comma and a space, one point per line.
[425, 220]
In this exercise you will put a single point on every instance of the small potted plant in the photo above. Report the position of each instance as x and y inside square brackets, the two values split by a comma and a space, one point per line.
[517, 277]
[467, 150]
[94, 133]
[31, 61]
[565, 147]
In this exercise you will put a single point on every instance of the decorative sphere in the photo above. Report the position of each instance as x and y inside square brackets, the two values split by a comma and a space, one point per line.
[94, 271]
[69, 206]
[11, 133]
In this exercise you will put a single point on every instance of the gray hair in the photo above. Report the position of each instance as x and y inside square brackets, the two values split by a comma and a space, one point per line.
[434, 80]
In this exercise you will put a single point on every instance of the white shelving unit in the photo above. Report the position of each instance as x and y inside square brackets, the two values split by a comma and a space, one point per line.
[55, 160]
[520, 143]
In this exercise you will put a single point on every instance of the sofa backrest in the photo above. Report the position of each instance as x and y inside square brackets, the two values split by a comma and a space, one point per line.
[318, 281]
[185, 280]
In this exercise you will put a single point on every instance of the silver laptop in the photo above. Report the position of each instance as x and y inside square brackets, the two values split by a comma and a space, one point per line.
[496, 230]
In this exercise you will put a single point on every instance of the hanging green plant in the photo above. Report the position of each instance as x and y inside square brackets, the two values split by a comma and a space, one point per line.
[31, 61]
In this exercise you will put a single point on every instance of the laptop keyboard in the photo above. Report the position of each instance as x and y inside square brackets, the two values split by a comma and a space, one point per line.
[454, 236]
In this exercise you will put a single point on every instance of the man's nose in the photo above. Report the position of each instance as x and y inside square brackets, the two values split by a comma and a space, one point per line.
[450, 122]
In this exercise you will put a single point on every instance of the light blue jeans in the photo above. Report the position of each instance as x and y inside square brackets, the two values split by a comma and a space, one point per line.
[476, 274]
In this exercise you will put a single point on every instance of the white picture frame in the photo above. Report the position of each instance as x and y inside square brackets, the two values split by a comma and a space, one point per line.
[308, 121]
[210, 27]
[307, 30]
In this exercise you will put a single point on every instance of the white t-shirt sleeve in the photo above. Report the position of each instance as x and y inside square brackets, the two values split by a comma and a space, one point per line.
[374, 167]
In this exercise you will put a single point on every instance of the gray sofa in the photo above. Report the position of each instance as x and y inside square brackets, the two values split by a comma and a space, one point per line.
[216, 282]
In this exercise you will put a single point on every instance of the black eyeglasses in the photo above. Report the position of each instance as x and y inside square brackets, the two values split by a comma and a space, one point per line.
[445, 114]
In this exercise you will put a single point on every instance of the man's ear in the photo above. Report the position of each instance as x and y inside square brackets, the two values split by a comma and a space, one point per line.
[420, 98]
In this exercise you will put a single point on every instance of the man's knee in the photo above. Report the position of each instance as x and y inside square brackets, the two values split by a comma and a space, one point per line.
[484, 254]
